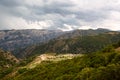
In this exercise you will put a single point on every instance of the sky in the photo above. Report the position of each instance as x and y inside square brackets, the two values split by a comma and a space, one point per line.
[59, 14]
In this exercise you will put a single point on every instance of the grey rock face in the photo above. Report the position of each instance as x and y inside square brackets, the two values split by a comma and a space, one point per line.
[14, 40]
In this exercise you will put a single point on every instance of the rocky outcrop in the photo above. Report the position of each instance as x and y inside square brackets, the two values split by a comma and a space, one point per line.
[16, 40]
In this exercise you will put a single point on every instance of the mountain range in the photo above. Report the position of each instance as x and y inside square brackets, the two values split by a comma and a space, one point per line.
[15, 40]
[58, 55]
[75, 45]
[23, 42]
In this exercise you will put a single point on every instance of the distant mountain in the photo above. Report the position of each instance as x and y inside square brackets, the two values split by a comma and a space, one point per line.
[16, 40]
[75, 45]
[118, 30]
[78, 32]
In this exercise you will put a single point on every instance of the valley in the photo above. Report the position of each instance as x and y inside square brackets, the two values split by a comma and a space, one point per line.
[74, 55]
[59, 39]
[99, 65]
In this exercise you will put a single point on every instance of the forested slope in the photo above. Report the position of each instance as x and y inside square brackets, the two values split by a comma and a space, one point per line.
[102, 65]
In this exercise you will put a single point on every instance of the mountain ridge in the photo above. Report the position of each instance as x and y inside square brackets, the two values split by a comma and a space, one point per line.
[75, 45]
[11, 39]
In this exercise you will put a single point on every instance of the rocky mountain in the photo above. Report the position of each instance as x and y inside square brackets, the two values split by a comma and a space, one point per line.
[15, 40]
[89, 32]
[74, 45]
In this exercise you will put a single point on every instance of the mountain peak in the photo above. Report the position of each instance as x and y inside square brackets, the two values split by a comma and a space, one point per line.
[103, 29]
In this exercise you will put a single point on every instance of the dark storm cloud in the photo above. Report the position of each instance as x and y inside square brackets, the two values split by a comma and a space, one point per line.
[10, 3]
[52, 8]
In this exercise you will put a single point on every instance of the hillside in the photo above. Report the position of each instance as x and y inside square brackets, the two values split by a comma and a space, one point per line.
[75, 45]
[50, 57]
[7, 61]
[102, 65]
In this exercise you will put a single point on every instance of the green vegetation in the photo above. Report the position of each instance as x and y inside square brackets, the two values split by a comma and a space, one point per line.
[102, 65]
[7, 61]
[6, 71]
[22, 70]
[84, 44]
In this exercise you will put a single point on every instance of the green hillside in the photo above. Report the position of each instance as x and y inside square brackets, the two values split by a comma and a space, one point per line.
[84, 44]
[7, 61]
[78, 58]
[102, 65]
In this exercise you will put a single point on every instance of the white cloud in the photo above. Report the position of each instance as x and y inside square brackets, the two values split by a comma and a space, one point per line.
[96, 4]
[40, 24]
[114, 15]
[34, 2]
[66, 28]
[20, 23]
[86, 27]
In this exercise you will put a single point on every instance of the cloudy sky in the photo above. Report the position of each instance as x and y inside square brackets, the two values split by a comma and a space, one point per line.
[59, 14]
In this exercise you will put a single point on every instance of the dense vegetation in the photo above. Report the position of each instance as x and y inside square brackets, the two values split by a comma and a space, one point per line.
[7, 61]
[102, 65]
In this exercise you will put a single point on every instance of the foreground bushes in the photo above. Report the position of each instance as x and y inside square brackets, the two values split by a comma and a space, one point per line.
[97, 66]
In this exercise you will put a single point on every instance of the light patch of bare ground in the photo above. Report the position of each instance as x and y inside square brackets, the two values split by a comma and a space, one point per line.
[118, 49]
[51, 57]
